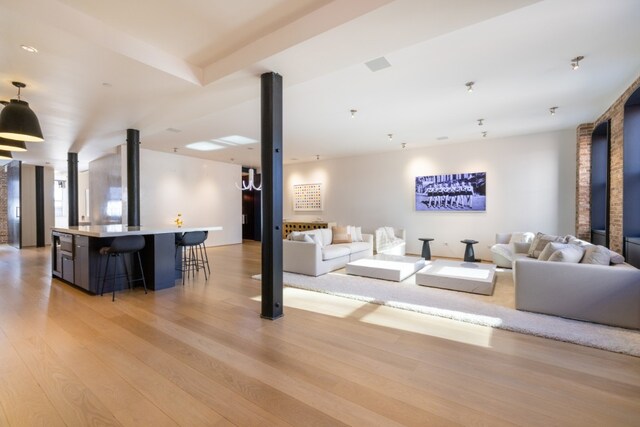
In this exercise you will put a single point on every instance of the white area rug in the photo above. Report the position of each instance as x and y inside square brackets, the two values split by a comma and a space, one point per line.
[459, 306]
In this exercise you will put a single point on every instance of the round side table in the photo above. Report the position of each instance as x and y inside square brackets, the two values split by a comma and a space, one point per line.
[426, 249]
[469, 255]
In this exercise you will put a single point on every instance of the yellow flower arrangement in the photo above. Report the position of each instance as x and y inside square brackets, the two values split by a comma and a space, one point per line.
[178, 220]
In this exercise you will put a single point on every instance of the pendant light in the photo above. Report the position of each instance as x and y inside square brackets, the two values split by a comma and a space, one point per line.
[11, 145]
[5, 155]
[18, 121]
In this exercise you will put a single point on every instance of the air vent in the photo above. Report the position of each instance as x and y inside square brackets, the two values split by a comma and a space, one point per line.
[174, 130]
[378, 64]
[442, 138]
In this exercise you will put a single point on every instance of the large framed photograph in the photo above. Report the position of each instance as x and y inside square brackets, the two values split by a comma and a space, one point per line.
[455, 192]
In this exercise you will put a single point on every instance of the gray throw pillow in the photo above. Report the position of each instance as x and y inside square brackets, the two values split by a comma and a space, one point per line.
[598, 255]
[572, 253]
[550, 249]
[616, 258]
[540, 241]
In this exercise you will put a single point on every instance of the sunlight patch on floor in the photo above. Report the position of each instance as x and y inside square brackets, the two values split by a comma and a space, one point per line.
[388, 317]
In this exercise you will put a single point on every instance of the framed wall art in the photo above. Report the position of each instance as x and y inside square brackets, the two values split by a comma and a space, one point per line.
[453, 192]
[307, 197]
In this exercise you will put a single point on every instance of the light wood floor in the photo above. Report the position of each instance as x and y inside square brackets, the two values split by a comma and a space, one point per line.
[201, 355]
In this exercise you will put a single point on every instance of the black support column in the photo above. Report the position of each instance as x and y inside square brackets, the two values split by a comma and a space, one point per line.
[271, 139]
[39, 206]
[72, 187]
[133, 177]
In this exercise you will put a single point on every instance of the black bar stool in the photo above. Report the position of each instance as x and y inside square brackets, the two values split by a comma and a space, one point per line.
[119, 246]
[193, 256]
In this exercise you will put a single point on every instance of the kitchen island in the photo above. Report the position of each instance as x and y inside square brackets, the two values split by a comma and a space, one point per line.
[76, 258]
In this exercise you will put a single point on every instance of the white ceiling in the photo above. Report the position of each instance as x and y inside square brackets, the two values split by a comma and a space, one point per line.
[103, 67]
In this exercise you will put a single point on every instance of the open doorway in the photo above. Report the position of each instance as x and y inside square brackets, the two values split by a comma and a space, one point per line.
[251, 208]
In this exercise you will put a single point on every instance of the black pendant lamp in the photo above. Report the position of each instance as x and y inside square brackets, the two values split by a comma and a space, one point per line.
[5, 155]
[11, 145]
[18, 121]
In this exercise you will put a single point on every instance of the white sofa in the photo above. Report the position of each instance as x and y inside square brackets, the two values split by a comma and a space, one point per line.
[321, 256]
[595, 293]
[607, 294]
[391, 241]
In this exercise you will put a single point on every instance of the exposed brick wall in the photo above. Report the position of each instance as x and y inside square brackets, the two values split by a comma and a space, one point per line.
[4, 218]
[583, 181]
[615, 113]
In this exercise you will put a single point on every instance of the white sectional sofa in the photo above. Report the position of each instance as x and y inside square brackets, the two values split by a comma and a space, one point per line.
[596, 293]
[607, 294]
[321, 256]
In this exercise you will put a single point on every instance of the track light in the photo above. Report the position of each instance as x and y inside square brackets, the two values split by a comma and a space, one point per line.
[390, 135]
[575, 62]
[484, 134]
[480, 122]
[404, 145]
[353, 113]
[469, 86]
[552, 110]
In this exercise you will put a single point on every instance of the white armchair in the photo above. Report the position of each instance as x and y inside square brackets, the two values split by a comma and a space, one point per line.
[389, 240]
[509, 247]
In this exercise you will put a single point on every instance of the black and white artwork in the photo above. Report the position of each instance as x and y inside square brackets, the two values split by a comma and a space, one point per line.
[455, 192]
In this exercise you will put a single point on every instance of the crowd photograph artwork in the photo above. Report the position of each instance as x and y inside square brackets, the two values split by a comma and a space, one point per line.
[454, 192]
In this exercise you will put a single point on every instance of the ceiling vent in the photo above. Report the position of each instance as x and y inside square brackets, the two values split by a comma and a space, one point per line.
[378, 64]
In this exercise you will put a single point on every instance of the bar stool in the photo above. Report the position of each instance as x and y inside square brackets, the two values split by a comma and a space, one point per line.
[119, 246]
[193, 256]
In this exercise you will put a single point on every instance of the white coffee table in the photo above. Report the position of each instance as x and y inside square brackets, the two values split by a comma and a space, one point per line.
[386, 267]
[463, 276]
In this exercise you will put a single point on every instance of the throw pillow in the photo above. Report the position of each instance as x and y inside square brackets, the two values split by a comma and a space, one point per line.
[521, 237]
[340, 235]
[550, 249]
[356, 233]
[503, 249]
[572, 253]
[540, 241]
[293, 235]
[575, 241]
[390, 233]
[358, 237]
[616, 258]
[598, 255]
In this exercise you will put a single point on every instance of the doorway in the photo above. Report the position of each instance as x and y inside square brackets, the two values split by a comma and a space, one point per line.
[251, 209]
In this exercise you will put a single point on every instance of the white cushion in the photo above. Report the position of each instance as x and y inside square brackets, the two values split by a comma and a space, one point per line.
[327, 236]
[503, 249]
[550, 249]
[335, 251]
[571, 253]
[540, 241]
[358, 234]
[390, 233]
[521, 237]
[616, 258]
[598, 255]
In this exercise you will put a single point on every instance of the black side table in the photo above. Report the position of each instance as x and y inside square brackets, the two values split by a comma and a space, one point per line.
[426, 249]
[469, 255]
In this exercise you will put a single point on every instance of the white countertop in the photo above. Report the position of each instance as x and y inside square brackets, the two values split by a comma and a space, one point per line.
[114, 230]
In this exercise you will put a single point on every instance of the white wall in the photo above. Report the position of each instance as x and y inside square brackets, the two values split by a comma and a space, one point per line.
[530, 186]
[203, 191]
[84, 211]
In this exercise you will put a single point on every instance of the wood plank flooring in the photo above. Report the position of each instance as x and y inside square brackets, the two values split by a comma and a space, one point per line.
[200, 355]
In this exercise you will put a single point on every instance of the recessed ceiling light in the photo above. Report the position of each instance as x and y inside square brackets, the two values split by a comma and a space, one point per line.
[390, 135]
[317, 156]
[204, 146]
[469, 86]
[378, 64]
[235, 140]
[404, 145]
[107, 84]
[29, 49]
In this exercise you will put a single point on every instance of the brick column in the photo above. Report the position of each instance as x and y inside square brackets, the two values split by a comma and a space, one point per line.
[583, 181]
